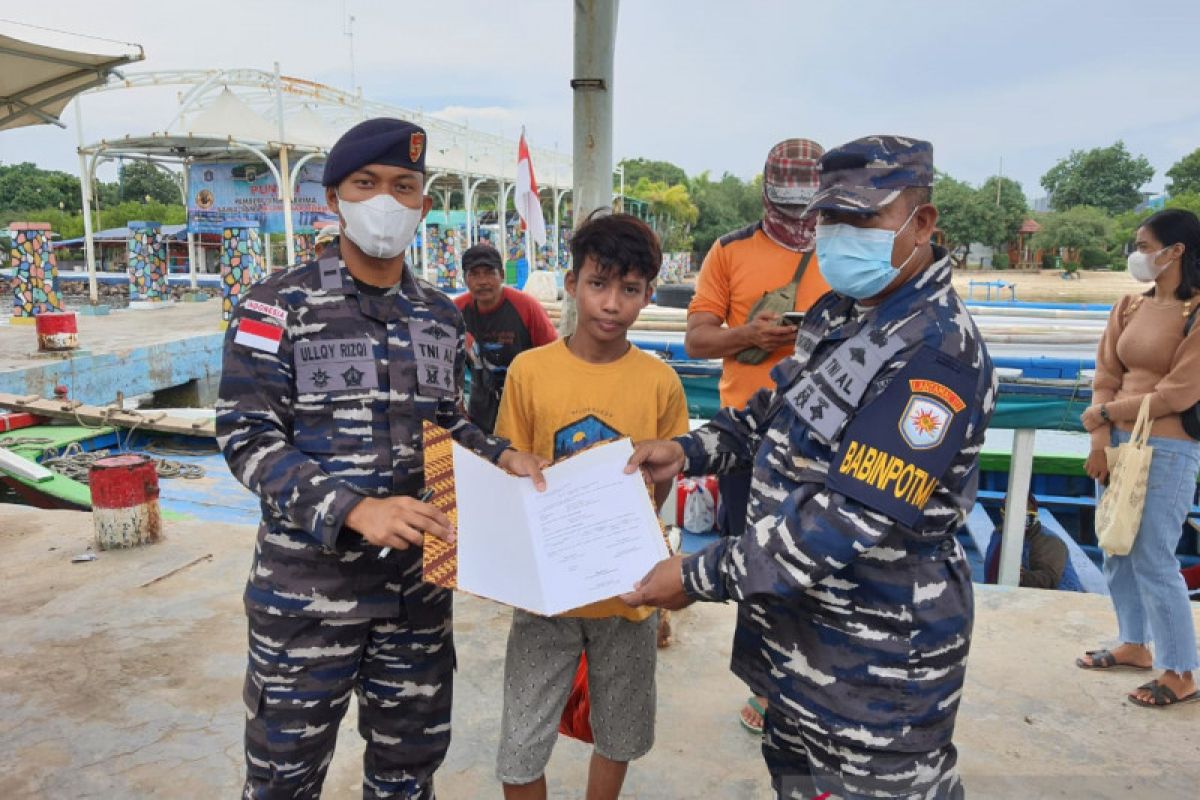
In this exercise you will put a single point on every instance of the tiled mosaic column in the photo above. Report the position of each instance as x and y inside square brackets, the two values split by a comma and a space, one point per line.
[452, 246]
[147, 262]
[306, 247]
[242, 263]
[674, 267]
[35, 271]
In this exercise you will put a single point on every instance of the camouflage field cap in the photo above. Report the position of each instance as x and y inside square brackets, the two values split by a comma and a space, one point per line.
[866, 174]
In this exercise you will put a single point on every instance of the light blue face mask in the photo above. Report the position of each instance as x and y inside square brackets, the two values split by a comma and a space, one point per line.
[857, 262]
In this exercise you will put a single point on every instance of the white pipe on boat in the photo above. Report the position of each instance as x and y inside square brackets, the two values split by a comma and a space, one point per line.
[1044, 313]
[15, 465]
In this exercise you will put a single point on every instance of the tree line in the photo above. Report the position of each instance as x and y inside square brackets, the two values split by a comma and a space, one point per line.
[1093, 195]
[141, 191]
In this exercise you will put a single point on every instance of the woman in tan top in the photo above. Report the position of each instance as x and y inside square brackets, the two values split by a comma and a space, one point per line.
[1144, 351]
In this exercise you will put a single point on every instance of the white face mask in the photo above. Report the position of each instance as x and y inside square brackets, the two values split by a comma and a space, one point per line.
[381, 227]
[1142, 266]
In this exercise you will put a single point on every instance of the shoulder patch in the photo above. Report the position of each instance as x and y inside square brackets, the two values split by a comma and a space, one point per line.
[258, 335]
[740, 234]
[896, 449]
[264, 308]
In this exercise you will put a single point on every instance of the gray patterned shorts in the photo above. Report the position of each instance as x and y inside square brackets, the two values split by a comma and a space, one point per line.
[543, 656]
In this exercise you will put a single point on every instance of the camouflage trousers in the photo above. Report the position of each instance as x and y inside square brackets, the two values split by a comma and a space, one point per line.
[805, 765]
[299, 680]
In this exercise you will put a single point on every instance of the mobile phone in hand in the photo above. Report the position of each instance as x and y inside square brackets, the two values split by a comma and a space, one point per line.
[793, 318]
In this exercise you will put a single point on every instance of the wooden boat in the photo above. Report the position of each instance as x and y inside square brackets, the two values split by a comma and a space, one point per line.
[194, 481]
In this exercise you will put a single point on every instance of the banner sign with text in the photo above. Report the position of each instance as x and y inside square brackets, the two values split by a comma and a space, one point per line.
[226, 190]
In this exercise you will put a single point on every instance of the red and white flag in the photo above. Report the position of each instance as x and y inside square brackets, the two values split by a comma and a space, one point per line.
[529, 207]
[259, 335]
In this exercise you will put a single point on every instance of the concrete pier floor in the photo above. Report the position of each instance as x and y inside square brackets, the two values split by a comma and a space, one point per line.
[116, 332]
[112, 689]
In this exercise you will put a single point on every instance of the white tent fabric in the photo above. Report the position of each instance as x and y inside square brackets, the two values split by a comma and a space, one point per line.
[38, 80]
[229, 117]
[306, 127]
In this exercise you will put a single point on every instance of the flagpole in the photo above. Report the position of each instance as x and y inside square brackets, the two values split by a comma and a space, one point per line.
[529, 257]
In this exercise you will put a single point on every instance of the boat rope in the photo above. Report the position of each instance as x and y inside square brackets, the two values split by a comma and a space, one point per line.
[76, 463]
[23, 441]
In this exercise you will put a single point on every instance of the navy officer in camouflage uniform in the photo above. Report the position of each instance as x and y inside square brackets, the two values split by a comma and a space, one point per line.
[865, 464]
[329, 370]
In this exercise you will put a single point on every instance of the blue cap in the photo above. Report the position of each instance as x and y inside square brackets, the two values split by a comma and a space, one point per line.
[867, 174]
[383, 140]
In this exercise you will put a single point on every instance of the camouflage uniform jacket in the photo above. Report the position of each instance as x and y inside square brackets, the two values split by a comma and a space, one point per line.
[865, 464]
[332, 415]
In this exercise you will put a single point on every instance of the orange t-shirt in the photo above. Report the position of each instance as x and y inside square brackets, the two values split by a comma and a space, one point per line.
[739, 269]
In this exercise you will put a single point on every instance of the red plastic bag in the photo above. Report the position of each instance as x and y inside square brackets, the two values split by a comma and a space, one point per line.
[576, 719]
[1191, 576]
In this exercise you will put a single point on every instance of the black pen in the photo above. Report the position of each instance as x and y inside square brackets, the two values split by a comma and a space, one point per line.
[425, 496]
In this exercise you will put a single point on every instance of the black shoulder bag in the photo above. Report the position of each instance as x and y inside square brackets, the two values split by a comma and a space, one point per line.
[1191, 417]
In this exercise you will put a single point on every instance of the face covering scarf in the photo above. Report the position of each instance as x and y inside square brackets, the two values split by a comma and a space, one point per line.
[785, 227]
[382, 227]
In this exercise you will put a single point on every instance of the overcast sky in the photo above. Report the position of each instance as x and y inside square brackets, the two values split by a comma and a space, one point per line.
[706, 84]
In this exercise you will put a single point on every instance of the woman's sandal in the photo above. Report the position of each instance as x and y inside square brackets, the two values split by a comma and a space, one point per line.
[1161, 696]
[757, 708]
[1104, 659]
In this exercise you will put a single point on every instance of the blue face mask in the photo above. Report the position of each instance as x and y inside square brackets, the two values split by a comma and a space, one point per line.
[857, 262]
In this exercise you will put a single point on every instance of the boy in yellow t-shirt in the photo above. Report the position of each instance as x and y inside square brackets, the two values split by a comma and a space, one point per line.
[593, 387]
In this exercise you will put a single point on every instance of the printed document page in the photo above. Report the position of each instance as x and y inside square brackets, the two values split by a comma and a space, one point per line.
[590, 536]
[594, 529]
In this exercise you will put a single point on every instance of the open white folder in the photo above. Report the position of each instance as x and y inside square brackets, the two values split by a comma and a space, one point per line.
[590, 536]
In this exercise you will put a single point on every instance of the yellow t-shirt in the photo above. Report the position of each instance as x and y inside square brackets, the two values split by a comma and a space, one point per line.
[555, 404]
[739, 269]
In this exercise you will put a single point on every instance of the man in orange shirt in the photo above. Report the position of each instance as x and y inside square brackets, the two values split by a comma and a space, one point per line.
[743, 266]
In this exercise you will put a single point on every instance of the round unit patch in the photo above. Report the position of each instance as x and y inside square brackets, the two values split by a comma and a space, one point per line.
[924, 423]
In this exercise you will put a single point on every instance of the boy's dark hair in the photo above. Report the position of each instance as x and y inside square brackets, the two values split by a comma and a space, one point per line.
[617, 241]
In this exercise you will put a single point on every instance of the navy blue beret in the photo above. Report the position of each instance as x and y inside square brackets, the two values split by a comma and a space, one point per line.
[384, 140]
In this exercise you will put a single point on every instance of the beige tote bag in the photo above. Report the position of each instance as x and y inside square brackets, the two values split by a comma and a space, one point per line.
[1119, 514]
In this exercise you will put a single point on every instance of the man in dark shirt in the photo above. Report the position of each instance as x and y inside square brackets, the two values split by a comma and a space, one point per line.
[502, 322]
[1047, 560]
[1045, 563]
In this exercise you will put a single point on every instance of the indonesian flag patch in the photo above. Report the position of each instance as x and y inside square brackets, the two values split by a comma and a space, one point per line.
[258, 335]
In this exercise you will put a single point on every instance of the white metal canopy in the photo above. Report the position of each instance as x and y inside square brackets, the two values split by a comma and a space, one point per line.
[227, 113]
[38, 80]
